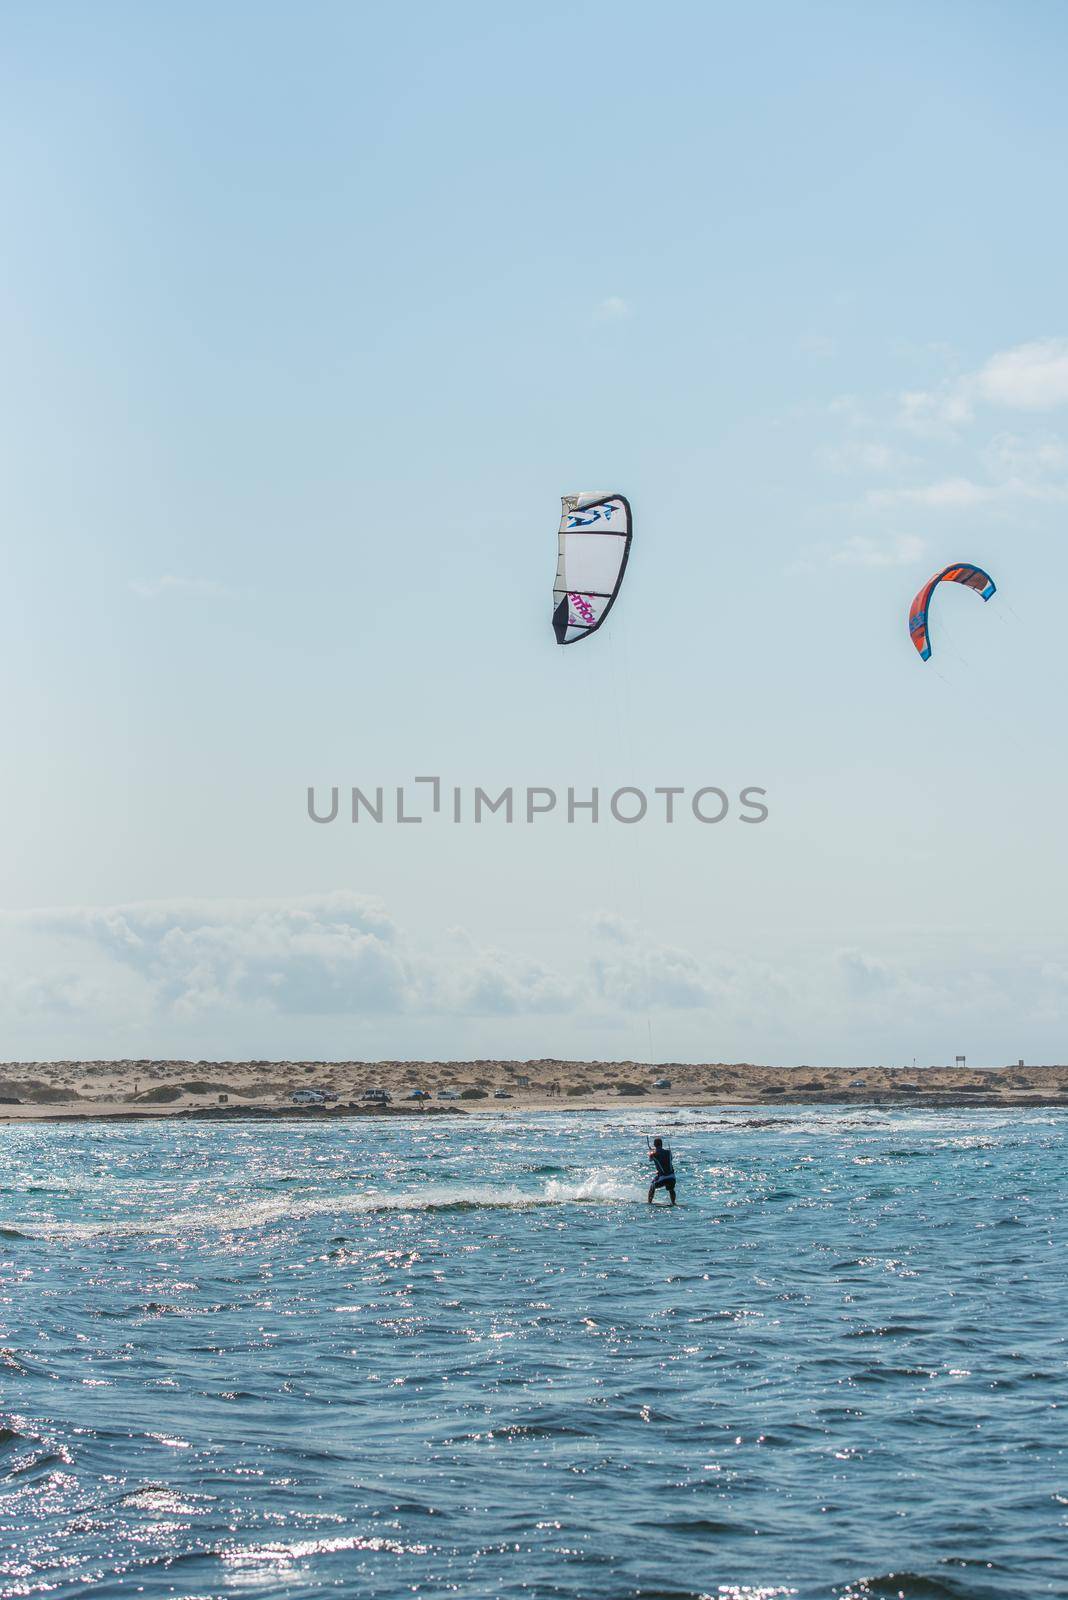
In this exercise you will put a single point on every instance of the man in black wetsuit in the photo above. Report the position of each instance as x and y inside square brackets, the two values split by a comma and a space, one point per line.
[665, 1172]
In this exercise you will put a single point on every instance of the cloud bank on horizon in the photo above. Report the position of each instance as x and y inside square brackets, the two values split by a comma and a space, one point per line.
[333, 975]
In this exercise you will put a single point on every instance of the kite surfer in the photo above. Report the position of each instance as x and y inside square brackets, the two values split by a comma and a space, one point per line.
[665, 1171]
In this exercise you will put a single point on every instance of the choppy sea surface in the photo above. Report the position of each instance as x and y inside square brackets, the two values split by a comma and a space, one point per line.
[463, 1357]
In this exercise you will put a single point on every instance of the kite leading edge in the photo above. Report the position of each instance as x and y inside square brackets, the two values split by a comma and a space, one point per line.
[971, 577]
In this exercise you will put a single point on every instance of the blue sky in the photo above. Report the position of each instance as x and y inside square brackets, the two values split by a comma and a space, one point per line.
[308, 317]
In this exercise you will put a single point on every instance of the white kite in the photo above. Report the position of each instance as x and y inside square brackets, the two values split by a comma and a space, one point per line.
[595, 534]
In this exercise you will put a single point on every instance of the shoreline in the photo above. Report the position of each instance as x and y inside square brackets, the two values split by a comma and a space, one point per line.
[130, 1090]
[386, 1114]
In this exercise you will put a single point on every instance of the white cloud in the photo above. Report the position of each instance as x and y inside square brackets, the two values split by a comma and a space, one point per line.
[848, 408]
[865, 976]
[332, 974]
[1028, 377]
[636, 973]
[62, 994]
[948, 493]
[888, 989]
[858, 456]
[153, 588]
[1013, 467]
[486, 982]
[325, 956]
[964, 494]
[938, 410]
[1031, 377]
[614, 309]
[1013, 455]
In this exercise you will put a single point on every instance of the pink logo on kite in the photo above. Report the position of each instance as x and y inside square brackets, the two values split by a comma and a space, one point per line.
[584, 609]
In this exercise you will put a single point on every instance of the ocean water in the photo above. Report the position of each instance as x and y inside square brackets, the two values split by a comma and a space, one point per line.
[462, 1357]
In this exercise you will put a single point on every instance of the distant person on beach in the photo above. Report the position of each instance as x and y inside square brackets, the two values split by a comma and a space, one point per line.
[665, 1172]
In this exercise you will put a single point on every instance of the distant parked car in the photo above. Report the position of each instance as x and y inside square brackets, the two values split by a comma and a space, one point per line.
[379, 1096]
[857, 1083]
[502, 1094]
[308, 1097]
[662, 1083]
[448, 1094]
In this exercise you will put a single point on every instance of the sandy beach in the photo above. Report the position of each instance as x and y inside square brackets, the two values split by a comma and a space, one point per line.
[52, 1089]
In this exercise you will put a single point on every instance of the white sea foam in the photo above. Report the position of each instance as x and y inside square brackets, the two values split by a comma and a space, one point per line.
[599, 1187]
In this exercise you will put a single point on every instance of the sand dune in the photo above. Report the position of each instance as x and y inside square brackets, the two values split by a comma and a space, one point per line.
[39, 1089]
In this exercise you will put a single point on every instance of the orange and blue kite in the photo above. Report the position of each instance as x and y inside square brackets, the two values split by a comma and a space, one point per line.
[971, 577]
